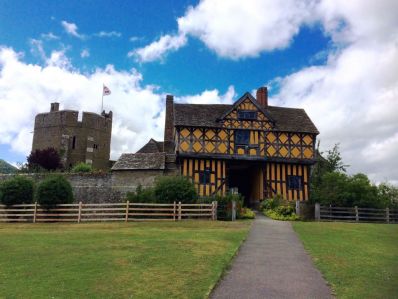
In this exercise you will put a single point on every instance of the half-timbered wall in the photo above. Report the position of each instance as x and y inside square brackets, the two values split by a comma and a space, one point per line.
[264, 140]
[195, 169]
[262, 143]
[276, 176]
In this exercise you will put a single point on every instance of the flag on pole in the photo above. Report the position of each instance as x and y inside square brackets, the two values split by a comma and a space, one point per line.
[106, 91]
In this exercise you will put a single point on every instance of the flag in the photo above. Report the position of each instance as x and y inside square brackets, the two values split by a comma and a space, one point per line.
[106, 91]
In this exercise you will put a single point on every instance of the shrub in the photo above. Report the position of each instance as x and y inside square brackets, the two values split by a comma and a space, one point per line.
[174, 188]
[54, 190]
[82, 167]
[47, 159]
[224, 205]
[279, 209]
[17, 190]
[247, 213]
[141, 195]
[275, 215]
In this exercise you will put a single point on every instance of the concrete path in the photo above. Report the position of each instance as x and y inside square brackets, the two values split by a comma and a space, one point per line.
[272, 263]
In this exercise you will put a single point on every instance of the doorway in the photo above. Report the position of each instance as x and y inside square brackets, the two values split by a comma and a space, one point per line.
[247, 178]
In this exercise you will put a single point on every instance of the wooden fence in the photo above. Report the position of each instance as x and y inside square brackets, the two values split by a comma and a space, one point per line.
[355, 214]
[108, 212]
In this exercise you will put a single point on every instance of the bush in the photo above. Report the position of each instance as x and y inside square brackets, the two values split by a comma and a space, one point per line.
[247, 213]
[54, 190]
[275, 215]
[47, 159]
[279, 209]
[224, 205]
[17, 190]
[141, 195]
[174, 188]
[82, 167]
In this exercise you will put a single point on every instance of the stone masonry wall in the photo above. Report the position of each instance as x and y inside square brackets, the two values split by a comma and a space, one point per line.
[102, 188]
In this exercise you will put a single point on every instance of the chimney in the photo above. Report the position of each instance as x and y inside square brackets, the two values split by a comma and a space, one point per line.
[169, 122]
[54, 107]
[262, 96]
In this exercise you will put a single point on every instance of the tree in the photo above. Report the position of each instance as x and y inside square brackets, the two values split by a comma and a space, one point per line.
[175, 188]
[334, 161]
[47, 159]
[54, 190]
[17, 190]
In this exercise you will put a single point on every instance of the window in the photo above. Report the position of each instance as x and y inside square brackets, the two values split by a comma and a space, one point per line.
[295, 182]
[95, 146]
[247, 115]
[204, 176]
[242, 137]
[74, 142]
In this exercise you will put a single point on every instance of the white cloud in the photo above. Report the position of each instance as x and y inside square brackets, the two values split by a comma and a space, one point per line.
[71, 29]
[209, 97]
[49, 36]
[158, 49]
[108, 34]
[353, 98]
[85, 53]
[135, 38]
[28, 89]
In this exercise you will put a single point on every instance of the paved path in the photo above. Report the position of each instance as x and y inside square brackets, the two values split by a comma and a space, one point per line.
[272, 263]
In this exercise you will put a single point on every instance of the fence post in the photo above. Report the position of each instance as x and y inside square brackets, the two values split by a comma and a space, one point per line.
[79, 216]
[174, 211]
[127, 210]
[388, 215]
[233, 210]
[35, 212]
[356, 214]
[179, 210]
[215, 210]
[317, 211]
[297, 207]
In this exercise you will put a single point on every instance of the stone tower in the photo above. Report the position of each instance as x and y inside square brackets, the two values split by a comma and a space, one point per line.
[88, 140]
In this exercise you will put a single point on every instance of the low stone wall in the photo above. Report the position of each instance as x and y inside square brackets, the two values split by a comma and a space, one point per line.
[101, 188]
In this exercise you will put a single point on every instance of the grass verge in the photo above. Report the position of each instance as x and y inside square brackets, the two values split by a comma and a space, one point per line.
[116, 260]
[358, 260]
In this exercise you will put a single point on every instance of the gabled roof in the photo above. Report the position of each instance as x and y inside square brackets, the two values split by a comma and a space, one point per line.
[152, 146]
[141, 161]
[208, 115]
[253, 100]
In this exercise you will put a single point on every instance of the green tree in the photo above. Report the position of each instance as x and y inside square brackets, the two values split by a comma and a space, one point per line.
[54, 190]
[175, 188]
[17, 190]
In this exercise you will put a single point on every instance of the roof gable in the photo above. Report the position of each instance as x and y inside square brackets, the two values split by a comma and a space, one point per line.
[247, 102]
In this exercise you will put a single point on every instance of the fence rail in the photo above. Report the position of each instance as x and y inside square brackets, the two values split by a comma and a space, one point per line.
[128, 211]
[355, 214]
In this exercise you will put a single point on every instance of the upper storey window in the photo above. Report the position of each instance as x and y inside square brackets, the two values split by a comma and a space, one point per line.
[247, 115]
[242, 137]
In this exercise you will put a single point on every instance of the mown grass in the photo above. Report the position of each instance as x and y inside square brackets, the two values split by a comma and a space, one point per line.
[358, 260]
[116, 260]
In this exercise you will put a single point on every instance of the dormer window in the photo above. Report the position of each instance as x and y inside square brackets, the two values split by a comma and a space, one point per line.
[247, 115]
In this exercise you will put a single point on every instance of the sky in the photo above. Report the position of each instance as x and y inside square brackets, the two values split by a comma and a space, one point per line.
[336, 59]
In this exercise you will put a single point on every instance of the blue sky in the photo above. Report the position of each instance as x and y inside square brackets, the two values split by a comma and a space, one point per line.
[312, 54]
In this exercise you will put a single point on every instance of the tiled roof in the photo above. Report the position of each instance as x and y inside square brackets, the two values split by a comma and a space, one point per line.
[207, 115]
[140, 161]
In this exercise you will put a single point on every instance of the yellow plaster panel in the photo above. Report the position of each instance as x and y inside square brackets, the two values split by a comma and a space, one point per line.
[241, 151]
[210, 134]
[197, 147]
[283, 138]
[307, 139]
[184, 146]
[295, 152]
[271, 137]
[295, 139]
[184, 133]
[197, 133]
[222, 148]
[283, 151]
[308, 153]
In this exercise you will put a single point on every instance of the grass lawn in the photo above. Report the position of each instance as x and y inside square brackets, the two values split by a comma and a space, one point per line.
[358, 260]
[116, 260]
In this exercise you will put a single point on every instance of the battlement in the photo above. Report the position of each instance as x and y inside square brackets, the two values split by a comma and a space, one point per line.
[70, 118]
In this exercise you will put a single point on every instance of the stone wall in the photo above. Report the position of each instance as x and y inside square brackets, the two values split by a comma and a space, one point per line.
[102, 188]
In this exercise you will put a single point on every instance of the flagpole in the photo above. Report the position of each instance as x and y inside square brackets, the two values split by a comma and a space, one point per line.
[102, 100]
